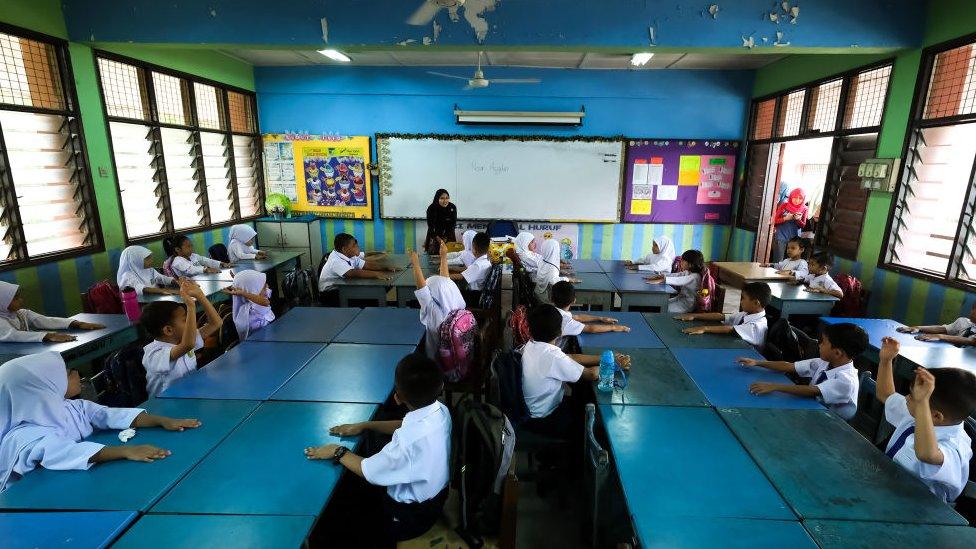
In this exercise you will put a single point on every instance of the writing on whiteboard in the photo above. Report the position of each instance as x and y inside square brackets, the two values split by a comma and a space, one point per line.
[493, 168]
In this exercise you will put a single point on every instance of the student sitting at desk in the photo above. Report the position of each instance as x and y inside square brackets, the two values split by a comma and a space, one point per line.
[749, 323]
[525, 246]
[795, 263]
[20, 325]
[252, 302]
[563, 297]
[818, 279]
[465, 257]
[136, 271]
[184, 263]
[414, 466]
[960, 332]
[438, 296]
[548, 273]
[929, 439]
[660, 260]
[42, 424]
[173, 326]
[345, 262]
[241, 245]
[477, 271]
[688, 282]
[833, 378]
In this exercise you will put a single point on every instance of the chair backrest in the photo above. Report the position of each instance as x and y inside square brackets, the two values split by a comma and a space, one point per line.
[506, 371]
[219, 253]
[870, 412]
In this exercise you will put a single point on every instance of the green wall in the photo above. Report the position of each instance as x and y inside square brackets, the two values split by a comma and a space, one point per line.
[55, 287]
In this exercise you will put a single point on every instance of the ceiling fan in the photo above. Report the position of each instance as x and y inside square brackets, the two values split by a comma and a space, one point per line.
[429, 9]
[479, 81]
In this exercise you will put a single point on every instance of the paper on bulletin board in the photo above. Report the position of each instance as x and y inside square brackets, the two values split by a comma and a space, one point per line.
[641, 189]
[655, 171]
[667, 192]
[279, 167]
[335, 181]
[640, 207]
[715, 185]
[689, 167]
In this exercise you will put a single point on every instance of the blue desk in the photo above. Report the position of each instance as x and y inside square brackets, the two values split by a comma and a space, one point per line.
[43, 530]
[791, 299]
[585, 266]
[91, 344]
[196, 531]
[384, 325]
[366, 289]
[306, 324]
[129, 485]
[684, 462]
[843, 534]
[405, 284]
[213, 289]
[346, 372]
[728, 533]
[636, 292]
[261, 468]
[640, 335]
[594, 289]
[726, 383]
[826, 470]
[617, 266]
[253, 370]
[669, 330]
[655, 379]
[274, 260]
[227, 275]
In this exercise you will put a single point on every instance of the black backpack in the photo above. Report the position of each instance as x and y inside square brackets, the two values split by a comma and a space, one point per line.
[219, 252]
[788, 343]
[506, 371]
[490, 287]
[482, 446]
[126, 378]
[300, 288]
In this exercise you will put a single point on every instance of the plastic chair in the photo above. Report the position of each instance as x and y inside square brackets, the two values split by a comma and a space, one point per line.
[219, 253]
[596, 471]
[870, 412]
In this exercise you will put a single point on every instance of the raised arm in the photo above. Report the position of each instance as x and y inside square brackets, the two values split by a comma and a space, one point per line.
[418, 272]
[214, 322]
[886, 377]
[189, 338]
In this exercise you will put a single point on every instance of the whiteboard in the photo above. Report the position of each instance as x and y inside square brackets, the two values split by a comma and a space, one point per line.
[502, 178]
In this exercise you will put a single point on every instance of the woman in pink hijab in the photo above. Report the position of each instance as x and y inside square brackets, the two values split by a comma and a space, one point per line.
[790, 218]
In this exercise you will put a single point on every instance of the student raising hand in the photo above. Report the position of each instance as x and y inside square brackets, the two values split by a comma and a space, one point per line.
[924, 385]
[889, 349]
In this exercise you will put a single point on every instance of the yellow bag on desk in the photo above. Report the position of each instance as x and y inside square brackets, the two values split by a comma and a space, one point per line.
[496, 252]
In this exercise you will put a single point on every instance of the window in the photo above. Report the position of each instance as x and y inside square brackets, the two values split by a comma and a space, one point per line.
[186, 151]
[47, 207]
[932, 232]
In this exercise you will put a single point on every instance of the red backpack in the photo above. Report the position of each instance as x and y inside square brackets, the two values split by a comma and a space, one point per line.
[456, 348]
[703, 300]
[854, 302]
[103, 298]
[519, 323]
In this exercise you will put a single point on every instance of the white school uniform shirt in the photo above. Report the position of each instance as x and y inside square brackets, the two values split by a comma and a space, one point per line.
[133, 274]
[161, 372]
[39, 427]
[820, 281]
[962, 327]
[750, 327]
[238, 248]
[438, 298]
[476, 272]
[945, 481]
[838, 386]
[798, 266]
[687, 284]
[571, 326]
[23, 325]
[414, 466]
[336, 267]
[545, 370]
[196, 264]
[660, 262]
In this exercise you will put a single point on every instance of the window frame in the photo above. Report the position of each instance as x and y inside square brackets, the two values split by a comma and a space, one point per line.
[154, 125]
[73, 110]
[916, 123]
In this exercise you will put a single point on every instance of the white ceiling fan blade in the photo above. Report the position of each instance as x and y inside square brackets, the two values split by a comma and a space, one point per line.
[424, 14]
[441, 74]
[515, 81]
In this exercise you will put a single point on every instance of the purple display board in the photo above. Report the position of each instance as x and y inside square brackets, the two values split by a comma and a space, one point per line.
[679, 181]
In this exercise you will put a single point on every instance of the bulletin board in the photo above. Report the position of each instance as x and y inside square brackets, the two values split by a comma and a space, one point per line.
[326, 175]
[679, 181]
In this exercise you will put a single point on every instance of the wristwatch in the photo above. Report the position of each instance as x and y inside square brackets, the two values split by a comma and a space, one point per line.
[339, 452]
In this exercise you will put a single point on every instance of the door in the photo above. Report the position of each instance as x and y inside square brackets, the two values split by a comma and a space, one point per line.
[845, 202]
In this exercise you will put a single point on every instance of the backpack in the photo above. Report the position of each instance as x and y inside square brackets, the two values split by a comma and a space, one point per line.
[676, 265]
[300, 288]
[785, 342]
[456, 350]
[490, 287]
[103, 298]
[507, 373]
[854, 302]
[168, 267]
[481, 455]
[519, 323]
[703, 299]
[219, 252]
[523, 288]
[126, 378]
[499, 229]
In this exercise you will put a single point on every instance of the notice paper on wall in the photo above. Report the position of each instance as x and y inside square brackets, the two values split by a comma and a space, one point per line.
[667, 192]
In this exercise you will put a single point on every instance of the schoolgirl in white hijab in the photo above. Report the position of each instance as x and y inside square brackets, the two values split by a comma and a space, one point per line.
[438, 296]
[530, 259]
[252, 303]
[464, 257]
[241, 244]
[40, 426]
[19, 325]
[136, 272]
[660, 259]
[548, 272]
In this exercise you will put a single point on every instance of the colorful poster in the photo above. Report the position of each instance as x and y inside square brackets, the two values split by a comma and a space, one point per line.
[688, 170]
[715, 185]
[279, 168]
[334, 180]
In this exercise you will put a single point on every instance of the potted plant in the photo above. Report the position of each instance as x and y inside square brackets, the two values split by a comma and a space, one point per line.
[278, 206]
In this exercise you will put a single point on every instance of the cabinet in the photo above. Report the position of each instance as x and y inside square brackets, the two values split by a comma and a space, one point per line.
[302, 233]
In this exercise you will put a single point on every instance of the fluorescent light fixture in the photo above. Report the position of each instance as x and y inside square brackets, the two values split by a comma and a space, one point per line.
[640, 59]
[524, 118]
[336, 55]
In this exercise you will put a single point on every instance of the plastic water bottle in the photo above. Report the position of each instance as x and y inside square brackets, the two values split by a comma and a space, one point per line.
[130, 304]
[608, 366]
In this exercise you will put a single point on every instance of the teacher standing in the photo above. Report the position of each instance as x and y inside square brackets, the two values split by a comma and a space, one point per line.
[441, 220]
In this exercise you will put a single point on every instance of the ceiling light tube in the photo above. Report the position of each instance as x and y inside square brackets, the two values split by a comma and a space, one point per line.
[336, 55]
[641, 59]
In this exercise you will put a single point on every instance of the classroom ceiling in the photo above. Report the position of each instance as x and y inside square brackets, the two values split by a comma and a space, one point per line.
[548, 59]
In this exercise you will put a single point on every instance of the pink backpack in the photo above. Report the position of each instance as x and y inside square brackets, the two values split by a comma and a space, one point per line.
[703, 301]
[456, 349]
[103, 298]
[168, 266]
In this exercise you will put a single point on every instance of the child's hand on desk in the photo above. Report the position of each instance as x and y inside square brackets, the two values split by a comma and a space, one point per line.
[694, 330]
[629, 263]
[747, 361]
[813, 290]
[77, 324]
[654, 280]
[381, 275]
[788, 273]
[211, 270]
[55, 337]
[608, 320]
[685, 318]
[929, 337]
[623, 361]
[172, 424]
[762, 388]
[144, 452]
[619, 328]
[326, 451]
[226, 265]
[907, 329]
[347, 430]
[261, 255]
[889, 349]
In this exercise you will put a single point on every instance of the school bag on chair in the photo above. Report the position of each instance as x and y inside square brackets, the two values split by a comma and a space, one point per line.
[300, 288]
[785, 342]
[168, 267]
[519, 324]
[219, 252]
[127, 378]
[854, 302]
[705, 295]
[481, 455]
[103, 298]
[456, 350]
[488, 291]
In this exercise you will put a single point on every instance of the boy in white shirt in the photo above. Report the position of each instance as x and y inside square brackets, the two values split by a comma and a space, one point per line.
[414, 466]
[345, 262]
[563, 296]
[476, 272]
[818, 278]
[960, 332]
[833, 378]
[929, 439]
[749, 323]
[173, 326]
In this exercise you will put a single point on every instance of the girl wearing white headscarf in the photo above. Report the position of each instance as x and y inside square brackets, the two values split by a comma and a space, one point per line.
[464, 257]
[439, 296]
[39, 426]
[523, 248]
[660, 259]
[241, 244]
[19, 325]
[136, 272]
[548, 272]
[252, 303]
